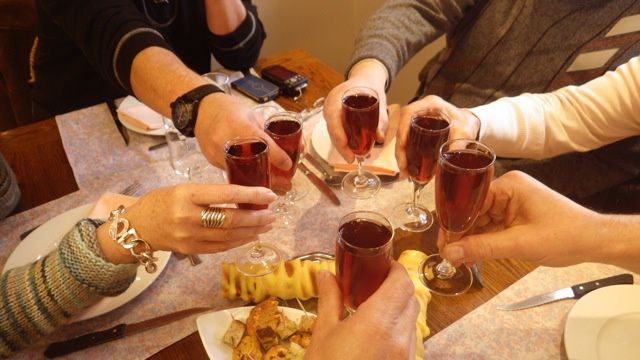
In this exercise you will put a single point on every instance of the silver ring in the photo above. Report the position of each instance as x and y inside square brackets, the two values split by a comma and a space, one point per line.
[213, 217]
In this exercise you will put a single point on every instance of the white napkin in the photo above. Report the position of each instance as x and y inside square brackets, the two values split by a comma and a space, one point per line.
[139, 115]
[382, 161]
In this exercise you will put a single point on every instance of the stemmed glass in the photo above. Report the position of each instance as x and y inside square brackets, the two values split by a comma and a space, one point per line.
[364, 251]
[465, 170]
[360, 112]
[428, 131]
[247, 161]
[285, 128]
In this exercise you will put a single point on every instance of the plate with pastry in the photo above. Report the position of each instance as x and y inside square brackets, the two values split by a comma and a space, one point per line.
[265, 331]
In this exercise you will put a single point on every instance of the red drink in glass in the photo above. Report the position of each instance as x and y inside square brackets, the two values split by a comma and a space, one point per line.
[247, 162]
[363, 255]
[286, 130]
[360, 122]
[425, 140]
[461, 187]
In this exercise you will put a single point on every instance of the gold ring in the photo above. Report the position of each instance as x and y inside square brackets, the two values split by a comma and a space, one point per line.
[212, 217]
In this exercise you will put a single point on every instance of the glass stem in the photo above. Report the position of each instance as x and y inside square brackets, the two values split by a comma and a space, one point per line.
[256, 251]
[360, 180]
[417, 189]
[445, 270]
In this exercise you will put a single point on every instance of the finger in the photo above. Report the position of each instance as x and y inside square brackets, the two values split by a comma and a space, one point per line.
[208, 247]
[441, 239]
[495, 245]
[207, 194]
[393, 294]
[237, 218]
[277, 156]
[383, 119]
[393, 121]
[213, 235]
[332, 112]
[330, 307]
[401, 143]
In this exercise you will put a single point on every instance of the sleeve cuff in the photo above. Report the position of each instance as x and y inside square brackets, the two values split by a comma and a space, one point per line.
[238, 37]
[129, 46]
[81, 256]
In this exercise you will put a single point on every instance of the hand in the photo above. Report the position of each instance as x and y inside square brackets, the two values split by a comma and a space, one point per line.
[464, 125]
[221, 118]
[169, 219]
[383, 327]
[369, 75]
[523, 219]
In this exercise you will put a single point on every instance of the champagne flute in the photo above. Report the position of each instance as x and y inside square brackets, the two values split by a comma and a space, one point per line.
[285, 128]
[465, 170]
[364, 251]
[247, 160]
[360, 112]
[429, 129]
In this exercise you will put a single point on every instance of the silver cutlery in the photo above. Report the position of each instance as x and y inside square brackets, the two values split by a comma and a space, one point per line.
[573, 292]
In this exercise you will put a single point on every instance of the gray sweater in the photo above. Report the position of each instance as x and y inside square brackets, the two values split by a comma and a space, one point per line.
[498, 48]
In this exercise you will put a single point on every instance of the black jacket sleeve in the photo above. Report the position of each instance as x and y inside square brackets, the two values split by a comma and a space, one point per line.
[240, 49]
[109, 33]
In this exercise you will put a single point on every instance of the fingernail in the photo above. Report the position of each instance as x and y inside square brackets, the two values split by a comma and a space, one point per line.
[453, 253]
[270, 193]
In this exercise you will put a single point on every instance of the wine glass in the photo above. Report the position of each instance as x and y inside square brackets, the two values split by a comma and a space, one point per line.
[364, 251]
[429, 129]
[465, 170]
[247, 160]
[285, 128]
[360, 112]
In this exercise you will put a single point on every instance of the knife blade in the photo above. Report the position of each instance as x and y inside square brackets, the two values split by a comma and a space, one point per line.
[324, 188]
[114, 114]
[117, 332]
[573, 292]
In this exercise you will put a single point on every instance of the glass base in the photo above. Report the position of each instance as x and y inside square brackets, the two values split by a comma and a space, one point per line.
[457, 283]
[261, 259]
[410, 218]
[361, 187]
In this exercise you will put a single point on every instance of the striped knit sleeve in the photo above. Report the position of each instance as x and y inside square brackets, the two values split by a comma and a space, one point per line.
[39, 297]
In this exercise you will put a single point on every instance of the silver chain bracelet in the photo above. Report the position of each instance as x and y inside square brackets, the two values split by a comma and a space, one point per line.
[128, 238]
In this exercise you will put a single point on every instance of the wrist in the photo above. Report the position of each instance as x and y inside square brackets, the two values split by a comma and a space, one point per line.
[207, 113]
[372, 70]
[111, 251]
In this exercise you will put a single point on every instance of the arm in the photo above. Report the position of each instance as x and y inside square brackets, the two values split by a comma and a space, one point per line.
[523, 219]
[574, 118]
[401, 28]
[236, 33]
[391, 36]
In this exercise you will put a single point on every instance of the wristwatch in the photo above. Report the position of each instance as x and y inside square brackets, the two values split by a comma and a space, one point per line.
[184, 110]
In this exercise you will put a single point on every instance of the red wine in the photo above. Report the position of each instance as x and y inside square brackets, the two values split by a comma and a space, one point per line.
[360, 122]
[426, 136]
[248, 165]
[462, 183]
[287, 134]
[363, 259]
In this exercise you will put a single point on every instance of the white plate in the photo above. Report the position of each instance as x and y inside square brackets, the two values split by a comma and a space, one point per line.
[131, 101]
[605, 324]
[46, 238]
[212, 327]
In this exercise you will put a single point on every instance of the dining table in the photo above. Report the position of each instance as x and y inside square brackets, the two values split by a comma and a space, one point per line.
[68, 161]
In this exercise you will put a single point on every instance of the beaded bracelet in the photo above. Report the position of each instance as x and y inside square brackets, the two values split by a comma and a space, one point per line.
[128, 238]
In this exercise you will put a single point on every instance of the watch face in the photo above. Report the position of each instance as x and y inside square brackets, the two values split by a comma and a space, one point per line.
[181, 114]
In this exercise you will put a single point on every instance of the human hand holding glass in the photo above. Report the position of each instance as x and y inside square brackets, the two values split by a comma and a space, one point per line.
[428, 130]
[463, 176]
[360, 113]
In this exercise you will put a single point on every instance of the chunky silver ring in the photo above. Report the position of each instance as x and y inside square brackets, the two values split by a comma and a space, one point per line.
[213, 217]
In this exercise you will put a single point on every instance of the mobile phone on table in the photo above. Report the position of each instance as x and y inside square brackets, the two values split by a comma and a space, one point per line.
[289, 82]
[256, 88]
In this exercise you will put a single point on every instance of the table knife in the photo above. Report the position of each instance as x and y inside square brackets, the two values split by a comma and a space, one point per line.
[114, 113]
[117, 332]
[321, 185]
[573, 292]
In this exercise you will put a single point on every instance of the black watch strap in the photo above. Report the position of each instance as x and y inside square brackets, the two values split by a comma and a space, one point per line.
[184, 110]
